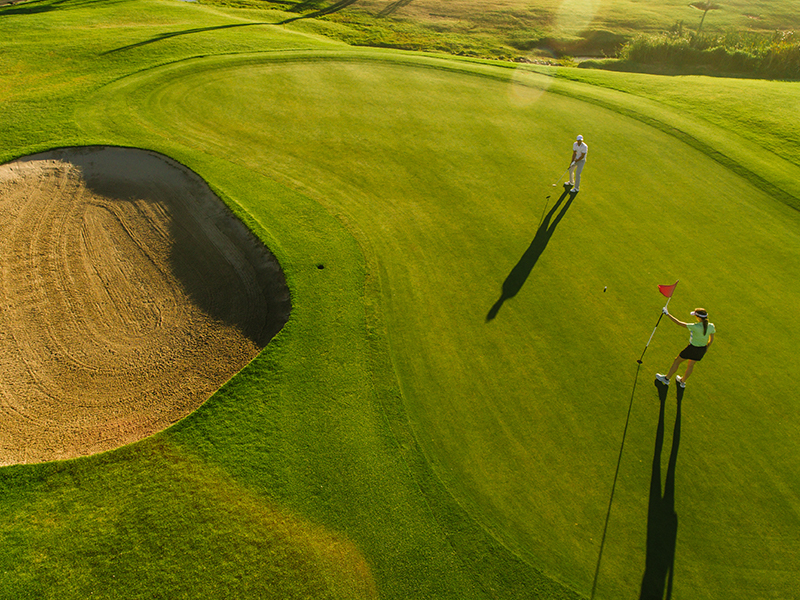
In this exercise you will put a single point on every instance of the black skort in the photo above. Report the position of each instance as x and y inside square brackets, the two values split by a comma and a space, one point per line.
[694, 353]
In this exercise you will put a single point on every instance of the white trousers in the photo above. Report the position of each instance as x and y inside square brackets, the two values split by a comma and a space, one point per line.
[575, 173]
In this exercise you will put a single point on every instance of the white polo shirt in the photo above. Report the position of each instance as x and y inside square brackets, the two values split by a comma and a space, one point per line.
[580, 148]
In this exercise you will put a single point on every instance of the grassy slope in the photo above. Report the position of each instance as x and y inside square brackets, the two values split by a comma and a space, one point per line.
[487, 401]
[625, 15]
[407, 175]
[521, 29]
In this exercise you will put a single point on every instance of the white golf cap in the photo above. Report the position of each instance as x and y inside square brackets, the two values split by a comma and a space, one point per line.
[699, 313]
[580, 138]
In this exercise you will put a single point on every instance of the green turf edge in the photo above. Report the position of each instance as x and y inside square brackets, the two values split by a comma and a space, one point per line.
[285, 57]
[782, 183]
[494, 567]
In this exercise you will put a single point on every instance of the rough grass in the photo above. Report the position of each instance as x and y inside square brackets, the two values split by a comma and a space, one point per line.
[524, 30]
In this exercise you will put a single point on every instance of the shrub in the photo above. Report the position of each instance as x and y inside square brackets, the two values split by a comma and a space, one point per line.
[775, 55]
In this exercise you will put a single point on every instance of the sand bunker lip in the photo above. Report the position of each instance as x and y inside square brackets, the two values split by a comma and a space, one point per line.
[129, 293]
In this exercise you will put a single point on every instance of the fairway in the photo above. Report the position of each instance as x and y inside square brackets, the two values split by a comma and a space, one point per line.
[456, 396]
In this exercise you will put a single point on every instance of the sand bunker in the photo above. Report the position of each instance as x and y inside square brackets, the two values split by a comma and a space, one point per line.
[128, 294]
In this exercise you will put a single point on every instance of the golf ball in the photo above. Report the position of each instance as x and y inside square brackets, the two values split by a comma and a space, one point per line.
[605, 288]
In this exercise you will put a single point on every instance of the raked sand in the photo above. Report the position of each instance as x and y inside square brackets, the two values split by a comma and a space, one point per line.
[129, 294]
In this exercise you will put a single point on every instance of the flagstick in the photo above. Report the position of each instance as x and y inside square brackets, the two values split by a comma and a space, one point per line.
[654, 330]
[671, 293]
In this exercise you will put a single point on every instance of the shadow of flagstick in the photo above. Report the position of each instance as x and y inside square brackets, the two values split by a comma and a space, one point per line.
[662, 520]
[519, 274]
[614, 485]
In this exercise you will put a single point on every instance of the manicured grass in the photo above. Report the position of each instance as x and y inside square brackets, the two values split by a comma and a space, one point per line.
[392, 441]
[765, 119]
[755, 144]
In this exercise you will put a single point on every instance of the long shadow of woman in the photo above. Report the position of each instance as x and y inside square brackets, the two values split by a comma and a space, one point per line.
[519, 274]
[662, 520]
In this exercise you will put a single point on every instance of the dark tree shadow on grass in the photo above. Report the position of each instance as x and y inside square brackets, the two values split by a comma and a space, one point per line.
[32, 7]
[335, 7]
[519, 274]
[390, 9]
[172, 34]
[662, 520]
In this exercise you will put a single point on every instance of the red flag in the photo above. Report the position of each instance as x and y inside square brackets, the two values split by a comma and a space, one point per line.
[668, 290]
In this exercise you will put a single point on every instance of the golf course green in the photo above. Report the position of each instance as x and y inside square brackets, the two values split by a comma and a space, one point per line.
[454, 408]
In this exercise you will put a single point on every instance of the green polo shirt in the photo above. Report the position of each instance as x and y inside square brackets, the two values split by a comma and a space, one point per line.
[696, 337]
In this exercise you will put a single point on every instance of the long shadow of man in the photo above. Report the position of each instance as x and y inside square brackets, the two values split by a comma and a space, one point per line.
[519, 274]
[662, 520]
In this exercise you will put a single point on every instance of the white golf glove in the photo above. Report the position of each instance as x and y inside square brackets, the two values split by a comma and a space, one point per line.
[665, 311]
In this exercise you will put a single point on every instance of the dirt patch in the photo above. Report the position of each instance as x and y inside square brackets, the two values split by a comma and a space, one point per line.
[129, 294]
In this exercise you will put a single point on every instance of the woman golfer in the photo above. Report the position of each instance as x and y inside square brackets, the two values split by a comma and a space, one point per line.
[701, 336]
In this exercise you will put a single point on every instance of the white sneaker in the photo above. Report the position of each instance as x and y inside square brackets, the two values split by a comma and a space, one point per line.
[681, 382]
[662, 379]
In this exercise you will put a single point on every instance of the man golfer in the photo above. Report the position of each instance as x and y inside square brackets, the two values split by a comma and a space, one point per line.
[579, 152]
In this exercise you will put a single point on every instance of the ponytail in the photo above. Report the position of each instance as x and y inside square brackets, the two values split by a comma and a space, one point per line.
[702, 314]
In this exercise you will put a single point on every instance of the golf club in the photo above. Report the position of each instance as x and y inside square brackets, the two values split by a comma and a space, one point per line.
[547, 198]
[562, 176]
